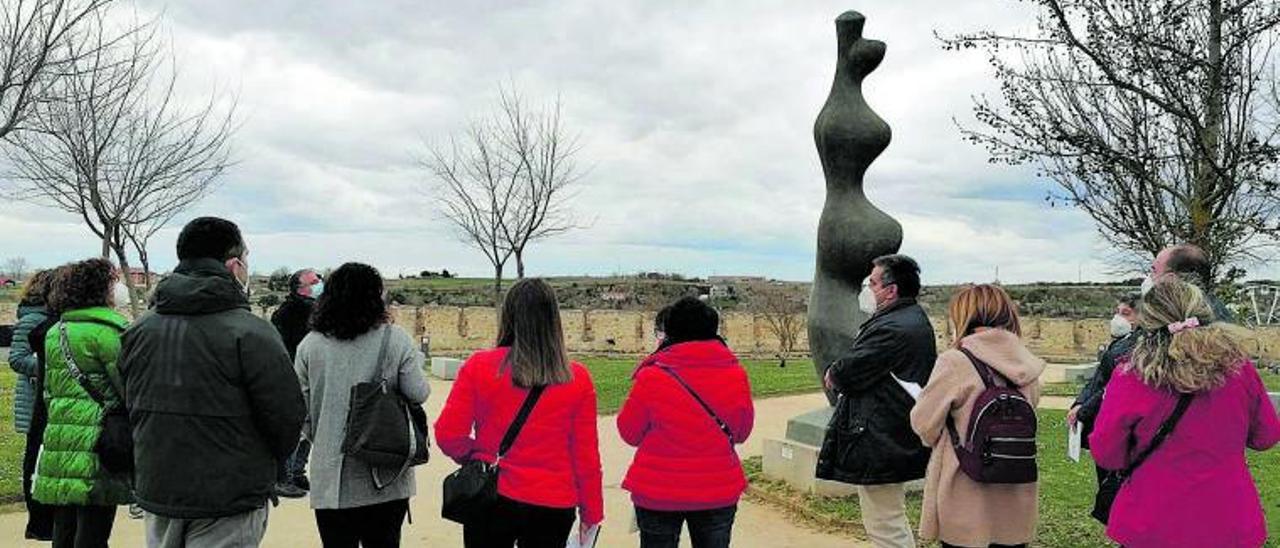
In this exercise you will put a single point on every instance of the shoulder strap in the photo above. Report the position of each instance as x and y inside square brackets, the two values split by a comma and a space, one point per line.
[1166, 428]
[380, 368]
[720, 423]
[73, 368]
[985, 372]
[516, 425]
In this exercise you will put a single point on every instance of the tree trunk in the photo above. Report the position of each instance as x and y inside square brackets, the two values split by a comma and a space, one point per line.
[1207, 180]
[146, 269]
[497, 285]
[519, 264]
[122, 256]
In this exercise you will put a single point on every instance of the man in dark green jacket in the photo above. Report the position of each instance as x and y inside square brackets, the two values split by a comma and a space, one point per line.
[212, 396]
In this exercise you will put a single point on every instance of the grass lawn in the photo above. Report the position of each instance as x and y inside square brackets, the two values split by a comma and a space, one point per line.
[1066, 493]
[11, 443]
[612, 378]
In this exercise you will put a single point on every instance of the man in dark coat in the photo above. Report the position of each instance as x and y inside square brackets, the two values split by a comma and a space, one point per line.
[212, 397]
[293, 320]
[869, 442]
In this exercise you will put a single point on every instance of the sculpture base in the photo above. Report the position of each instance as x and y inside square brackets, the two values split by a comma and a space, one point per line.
[795, 459]
[445, 368]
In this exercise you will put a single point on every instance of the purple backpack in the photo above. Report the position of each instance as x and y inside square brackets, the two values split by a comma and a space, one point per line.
[1001, 447]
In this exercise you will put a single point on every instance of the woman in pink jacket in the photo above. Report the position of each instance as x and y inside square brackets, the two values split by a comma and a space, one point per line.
[1194, 489]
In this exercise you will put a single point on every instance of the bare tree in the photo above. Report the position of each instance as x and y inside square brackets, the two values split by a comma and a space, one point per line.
[41, 42]
[1150, 116]
[507, 180]
[546, 169]
[17, 268]
[784, 314]
[116, 149]
[475, 190]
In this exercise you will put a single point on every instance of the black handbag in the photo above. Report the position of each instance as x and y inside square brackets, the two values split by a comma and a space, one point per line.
[471, 491]
[114, 445]
[383, 428]
[1111, 483]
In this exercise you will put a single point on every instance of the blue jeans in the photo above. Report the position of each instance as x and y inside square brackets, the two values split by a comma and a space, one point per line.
[707, 528]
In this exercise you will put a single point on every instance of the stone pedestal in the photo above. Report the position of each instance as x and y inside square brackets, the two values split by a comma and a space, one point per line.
[1275, 400]
[795, 459]
[445, 368]
[1060, 373]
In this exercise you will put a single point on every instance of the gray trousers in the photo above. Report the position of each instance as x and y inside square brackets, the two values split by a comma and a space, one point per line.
[238, 531]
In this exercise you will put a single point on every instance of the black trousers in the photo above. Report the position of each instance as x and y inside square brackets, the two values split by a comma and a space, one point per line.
[374, 526]
[82, 526]
[707, 528]
[512, 521]
[39, 516]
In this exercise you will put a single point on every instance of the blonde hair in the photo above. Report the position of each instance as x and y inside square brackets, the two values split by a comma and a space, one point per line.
[1192, 360]
[983, 306]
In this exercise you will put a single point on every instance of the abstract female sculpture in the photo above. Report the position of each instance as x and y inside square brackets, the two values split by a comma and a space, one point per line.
[851, 231]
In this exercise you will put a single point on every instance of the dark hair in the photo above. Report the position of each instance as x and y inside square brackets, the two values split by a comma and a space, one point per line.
[1130, 299]
[351, 304]
[660, 319]
[902, 271]
[85, 284]
[210, 238]
[36, 291]
[689, 319]
[295, 280]
[530, 327]
[1191, 264]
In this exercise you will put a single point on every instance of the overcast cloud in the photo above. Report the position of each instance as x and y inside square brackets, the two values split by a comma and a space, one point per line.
[696, 119]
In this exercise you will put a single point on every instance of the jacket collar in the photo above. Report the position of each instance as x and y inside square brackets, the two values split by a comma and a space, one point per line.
[97, 314]
[897, 305]
[711, 353]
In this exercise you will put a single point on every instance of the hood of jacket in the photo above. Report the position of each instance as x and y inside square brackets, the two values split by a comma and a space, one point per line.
[24, 309]
[710, 353]
[1004, 352]
[197, 287]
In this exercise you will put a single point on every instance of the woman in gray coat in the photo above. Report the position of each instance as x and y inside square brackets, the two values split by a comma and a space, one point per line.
[349, 327]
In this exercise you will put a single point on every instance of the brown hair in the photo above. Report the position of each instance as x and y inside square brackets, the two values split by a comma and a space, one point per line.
[983, 306]
[36, 291]
[85, 284]
[1192, 360]
[530, 327]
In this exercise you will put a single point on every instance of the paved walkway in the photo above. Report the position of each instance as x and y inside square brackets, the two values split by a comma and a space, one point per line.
[292, 524]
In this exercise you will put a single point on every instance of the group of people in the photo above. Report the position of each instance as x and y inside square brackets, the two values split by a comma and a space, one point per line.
[202, 414]
[1168, 416]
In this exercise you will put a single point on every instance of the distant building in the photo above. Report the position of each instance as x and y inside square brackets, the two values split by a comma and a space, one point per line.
[730, 280]
[140, 277]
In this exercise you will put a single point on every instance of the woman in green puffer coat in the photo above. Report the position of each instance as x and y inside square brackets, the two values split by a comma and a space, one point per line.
[68, 475]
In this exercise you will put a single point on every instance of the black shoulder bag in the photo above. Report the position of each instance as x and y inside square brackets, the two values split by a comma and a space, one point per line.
[471, 491]
[383, 428]
[1113, 481]
[724, 427]
[114, 446]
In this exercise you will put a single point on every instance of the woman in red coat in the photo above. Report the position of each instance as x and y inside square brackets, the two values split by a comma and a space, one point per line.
[689, 406]
[553, 467]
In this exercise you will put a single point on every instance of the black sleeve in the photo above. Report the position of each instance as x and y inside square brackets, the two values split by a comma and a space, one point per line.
[870, 359]
[1090, 399]
[274, 392]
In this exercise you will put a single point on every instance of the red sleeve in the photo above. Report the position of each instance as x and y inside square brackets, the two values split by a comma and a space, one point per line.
[742, 418]
[1264, 426]
[454, 425]
[585, 446]
[1121, 411]
[633, 419]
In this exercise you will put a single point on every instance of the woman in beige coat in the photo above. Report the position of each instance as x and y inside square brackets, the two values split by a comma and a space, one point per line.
[957, 510]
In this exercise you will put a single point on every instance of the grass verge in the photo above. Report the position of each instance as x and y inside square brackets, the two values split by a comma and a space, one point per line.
[1066, 494]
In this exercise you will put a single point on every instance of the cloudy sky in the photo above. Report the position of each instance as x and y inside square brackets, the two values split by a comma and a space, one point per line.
[696, 120]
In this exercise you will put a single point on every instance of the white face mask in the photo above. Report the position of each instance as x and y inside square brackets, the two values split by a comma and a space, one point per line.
[120, 294]
[1148, 284]
[1120, 327]
[867, 300]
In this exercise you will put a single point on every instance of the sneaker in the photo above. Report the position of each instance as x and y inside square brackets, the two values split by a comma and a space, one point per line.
[301, 482]
[136, 512]
[289, 491]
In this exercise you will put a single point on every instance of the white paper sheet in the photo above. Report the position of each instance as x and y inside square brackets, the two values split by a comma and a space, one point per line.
[911, 387]
[1073, 443]
[593, 535]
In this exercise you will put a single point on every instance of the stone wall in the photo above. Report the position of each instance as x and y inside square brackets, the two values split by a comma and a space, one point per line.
[455, 330]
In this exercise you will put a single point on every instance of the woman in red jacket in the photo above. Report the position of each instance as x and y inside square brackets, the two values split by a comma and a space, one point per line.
[689, 406]
[553, 466]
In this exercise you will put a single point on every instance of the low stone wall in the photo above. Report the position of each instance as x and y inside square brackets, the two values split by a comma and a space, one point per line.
[459, 330]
